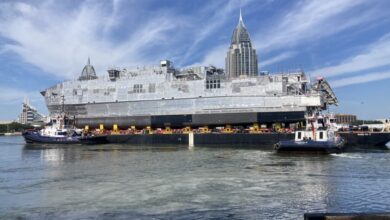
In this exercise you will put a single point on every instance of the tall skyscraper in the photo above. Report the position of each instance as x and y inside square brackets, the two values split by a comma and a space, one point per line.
[241, 59]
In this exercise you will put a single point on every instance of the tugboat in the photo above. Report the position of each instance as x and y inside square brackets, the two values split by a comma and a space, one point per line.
[320, 136]
[58, 131]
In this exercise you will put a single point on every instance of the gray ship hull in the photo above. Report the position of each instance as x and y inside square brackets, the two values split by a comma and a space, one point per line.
[198, 111]
[194, 120]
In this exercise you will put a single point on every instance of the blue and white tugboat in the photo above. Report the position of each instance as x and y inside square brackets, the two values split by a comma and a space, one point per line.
[320, 136]
[58, 131]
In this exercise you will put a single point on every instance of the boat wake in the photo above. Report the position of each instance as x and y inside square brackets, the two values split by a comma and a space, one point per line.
[388, 145]
[346, 155]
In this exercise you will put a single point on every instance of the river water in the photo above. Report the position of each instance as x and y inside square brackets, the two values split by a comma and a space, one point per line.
[138, 182]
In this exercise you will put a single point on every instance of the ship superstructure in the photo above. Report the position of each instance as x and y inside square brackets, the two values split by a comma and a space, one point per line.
[195, 96]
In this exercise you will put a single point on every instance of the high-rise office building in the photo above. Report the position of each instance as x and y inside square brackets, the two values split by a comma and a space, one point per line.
[241, 59]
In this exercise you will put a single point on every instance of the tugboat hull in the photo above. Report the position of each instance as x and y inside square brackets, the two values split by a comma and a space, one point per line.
[310, 146]
[33, 137]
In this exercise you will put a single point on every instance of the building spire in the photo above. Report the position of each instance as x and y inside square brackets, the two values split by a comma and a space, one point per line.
[240, 15]
[89, 61]
[240, 20]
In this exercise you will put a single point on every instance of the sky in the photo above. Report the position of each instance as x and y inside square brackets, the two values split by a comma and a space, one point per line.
[346, 41]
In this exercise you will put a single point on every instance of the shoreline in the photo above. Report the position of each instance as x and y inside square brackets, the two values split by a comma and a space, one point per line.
[11, 134]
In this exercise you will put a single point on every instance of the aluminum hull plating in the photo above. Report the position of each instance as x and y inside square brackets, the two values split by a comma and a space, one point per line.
[188, 112]
[193, 120]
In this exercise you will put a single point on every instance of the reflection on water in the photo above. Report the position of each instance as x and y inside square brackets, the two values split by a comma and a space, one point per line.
[53, 155]
[119, 181]
[58, 154]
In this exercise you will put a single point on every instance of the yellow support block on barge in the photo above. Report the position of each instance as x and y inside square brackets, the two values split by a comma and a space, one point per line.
[167, 130]
[228, 129]
[115, 129]
[255, 129]
[187, 130]
[149, 130]
[204, 130]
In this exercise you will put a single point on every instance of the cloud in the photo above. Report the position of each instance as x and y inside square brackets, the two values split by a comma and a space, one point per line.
[11, 101]
[278, 58]
[59, 40]
[114, 18]
[313, 20]
[219, 16]
[215, 57]
[375, 55]
[11, 95]
[375, 76]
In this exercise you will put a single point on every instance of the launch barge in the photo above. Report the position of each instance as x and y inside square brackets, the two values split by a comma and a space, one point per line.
[366, 139]
[258, 141]
[264, 141]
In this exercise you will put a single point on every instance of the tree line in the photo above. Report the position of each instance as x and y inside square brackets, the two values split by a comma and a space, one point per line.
[14, 127]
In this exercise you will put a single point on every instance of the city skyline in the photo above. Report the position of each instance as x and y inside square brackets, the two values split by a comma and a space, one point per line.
[324, 39]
